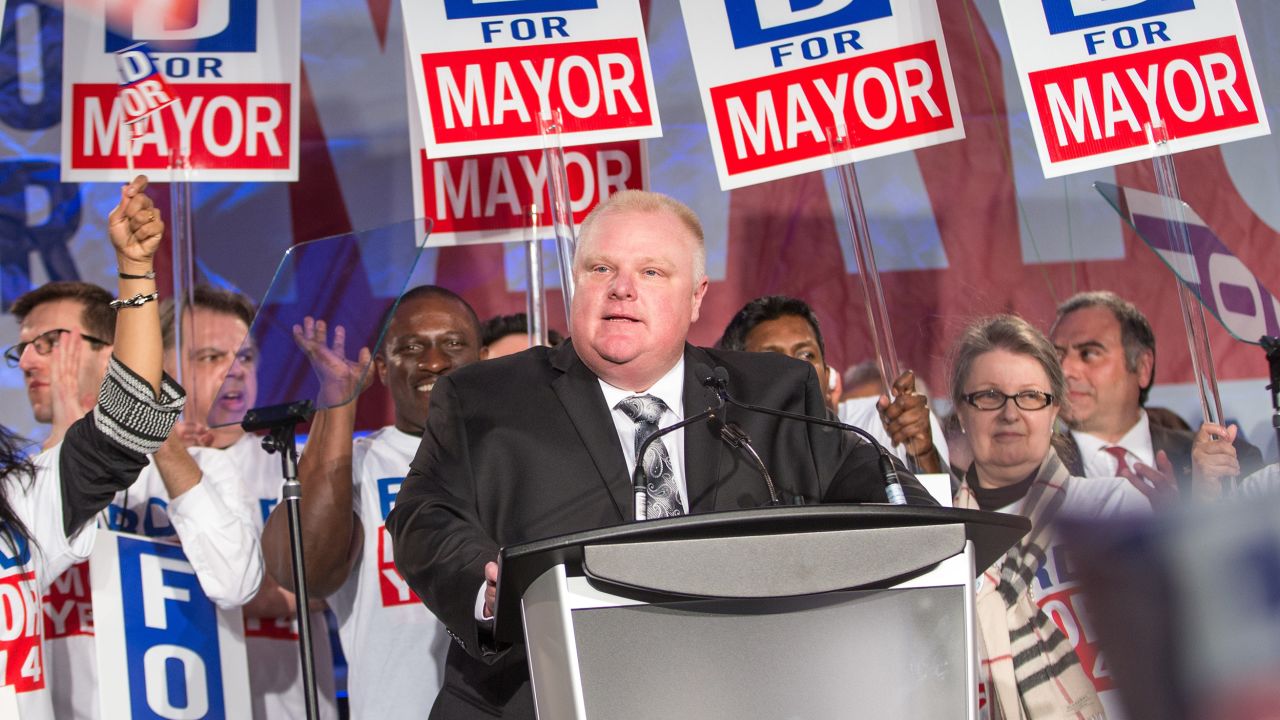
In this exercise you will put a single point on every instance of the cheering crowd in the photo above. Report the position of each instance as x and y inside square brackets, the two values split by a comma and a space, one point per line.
[494, 444]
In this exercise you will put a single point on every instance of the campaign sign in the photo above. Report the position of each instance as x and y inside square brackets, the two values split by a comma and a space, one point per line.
[1097, 73]
[792, 87]
[143, 90]
[487, 74]
[164, 649]
[1229, 290]
[228, 71]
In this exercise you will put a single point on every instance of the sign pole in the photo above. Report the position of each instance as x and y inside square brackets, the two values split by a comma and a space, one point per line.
[183, 243]
[560, 204]
[855, 217]
[535, 293]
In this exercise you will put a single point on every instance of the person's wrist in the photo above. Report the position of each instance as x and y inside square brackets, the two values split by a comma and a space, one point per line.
[130, 266]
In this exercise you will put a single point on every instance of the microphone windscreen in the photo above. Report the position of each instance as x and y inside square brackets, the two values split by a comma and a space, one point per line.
[722, 375]
[702, 373]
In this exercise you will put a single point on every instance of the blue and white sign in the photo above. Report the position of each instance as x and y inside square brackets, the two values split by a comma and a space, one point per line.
[164, 649]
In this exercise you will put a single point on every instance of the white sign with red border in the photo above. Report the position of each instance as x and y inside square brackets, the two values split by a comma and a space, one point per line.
[1096, 73]
[488, 74]
[232, 67]
[780, 85]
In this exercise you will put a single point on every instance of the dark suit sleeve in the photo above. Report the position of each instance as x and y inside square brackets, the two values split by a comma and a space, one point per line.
[440, 546]
[1249, 457]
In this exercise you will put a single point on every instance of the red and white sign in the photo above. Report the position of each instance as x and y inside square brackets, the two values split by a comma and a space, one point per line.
[780, 85]
[1096, 75]
[487, 74]
[21, 649]
[229, 71]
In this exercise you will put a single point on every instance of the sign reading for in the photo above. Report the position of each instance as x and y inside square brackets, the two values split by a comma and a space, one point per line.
[488, 74]
[216, 84]
[1098, 74]
[782, 85]
[164, 649]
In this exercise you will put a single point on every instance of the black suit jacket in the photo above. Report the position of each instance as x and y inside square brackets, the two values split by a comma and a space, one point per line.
[1176, 443]
[523, 448]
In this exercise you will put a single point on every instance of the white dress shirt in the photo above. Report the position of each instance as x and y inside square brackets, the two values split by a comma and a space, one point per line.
[669, 389]
[1136, 443]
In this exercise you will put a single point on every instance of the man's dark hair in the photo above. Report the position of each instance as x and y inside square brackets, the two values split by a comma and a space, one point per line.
[764, 309]
[96, 315]
[426, 292]
[227, 302]
[1135, 332]
[500, 326]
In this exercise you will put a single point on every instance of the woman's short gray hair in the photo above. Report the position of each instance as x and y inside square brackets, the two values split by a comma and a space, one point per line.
[1010, 333]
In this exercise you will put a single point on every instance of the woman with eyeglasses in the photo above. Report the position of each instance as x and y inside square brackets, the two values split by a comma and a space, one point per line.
[1008, 389]
[48, 501]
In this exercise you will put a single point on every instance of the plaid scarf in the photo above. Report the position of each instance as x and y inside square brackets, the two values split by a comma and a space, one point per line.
[1035, 674]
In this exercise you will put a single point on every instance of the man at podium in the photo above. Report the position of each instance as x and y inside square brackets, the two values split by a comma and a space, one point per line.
[542, 443]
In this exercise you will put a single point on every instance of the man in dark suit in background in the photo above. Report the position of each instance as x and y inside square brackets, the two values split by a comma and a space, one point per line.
[1108, 353]
[540, 443]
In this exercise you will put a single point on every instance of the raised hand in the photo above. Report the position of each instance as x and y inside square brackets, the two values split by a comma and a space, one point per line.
[64, 386]
[135, 228]
[192, 434]
[906, 419]
[340, 380]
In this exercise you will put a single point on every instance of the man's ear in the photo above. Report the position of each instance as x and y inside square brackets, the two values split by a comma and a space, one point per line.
[380, 365]
[1146, 369]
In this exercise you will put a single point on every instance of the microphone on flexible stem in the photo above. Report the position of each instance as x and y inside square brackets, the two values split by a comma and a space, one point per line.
[735, 436]
[717, 381]
[637, 473]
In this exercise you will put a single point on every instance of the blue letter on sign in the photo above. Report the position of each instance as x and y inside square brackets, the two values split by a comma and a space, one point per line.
[209, 26]
[1070, 15]
[754, 22]
[460, 9]
[170, 635]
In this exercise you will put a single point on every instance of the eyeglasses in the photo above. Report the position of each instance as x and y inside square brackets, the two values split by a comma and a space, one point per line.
[994, 399]
[43, 344]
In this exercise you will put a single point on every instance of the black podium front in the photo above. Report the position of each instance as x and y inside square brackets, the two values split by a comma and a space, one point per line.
[792, 612]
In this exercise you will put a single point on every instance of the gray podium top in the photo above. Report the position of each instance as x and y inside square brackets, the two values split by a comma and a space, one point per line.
[762, 552]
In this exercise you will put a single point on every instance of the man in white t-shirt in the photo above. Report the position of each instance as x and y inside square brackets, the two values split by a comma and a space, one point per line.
[221, 376]
[395, 647]
[190, 497]
[787, 325]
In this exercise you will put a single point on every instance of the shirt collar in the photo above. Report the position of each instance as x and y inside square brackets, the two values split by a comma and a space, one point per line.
[1136, 442]
[669, 389]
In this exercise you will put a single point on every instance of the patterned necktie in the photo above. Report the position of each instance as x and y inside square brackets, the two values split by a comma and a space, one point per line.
[659, 477]
[1122, 463]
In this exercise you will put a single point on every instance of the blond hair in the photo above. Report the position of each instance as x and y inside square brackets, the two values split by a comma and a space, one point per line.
[643, 201]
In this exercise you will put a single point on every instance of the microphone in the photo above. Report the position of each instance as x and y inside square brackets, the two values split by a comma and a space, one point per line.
[717, 381]
[641, 498]
[735, 436]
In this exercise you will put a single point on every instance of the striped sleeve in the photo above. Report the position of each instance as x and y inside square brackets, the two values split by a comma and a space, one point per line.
[129, 413]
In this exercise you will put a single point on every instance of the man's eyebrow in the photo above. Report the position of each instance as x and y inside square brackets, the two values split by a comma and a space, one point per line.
[1088, 344]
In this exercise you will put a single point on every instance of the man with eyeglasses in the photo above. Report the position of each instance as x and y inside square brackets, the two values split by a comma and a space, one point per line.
[64, 344]
[192, 497]
[1108, 353]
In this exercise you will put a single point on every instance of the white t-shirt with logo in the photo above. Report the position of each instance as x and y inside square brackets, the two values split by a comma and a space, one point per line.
[1056, 590]
[211, 521]
[26, 567]
[395, 647]
[275, 665]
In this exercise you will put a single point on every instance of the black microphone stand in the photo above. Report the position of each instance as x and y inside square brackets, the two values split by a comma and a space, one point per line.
[637, 474]
[281, 423]
[718, 381]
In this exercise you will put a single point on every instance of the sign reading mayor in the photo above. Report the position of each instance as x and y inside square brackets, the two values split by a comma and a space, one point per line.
[490, 74]
[212, 84]
[1098, 75]
[791, 87]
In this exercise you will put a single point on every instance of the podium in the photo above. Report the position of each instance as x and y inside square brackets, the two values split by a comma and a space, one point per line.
[825, 611]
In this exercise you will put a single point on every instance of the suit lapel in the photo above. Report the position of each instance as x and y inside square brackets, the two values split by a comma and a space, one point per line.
[702, 443]
[579, 392]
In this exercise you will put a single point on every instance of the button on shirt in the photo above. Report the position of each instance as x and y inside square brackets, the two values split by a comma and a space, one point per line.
[1100, 463]
[670, 389]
